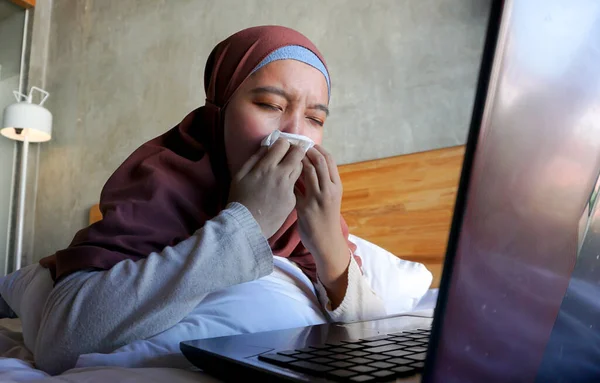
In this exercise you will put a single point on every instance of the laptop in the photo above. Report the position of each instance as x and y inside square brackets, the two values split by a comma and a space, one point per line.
[520, 292]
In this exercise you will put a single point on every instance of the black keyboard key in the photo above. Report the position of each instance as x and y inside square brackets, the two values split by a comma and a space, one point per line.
[383, 374]
[400, 339]
[336, 374]
[276, 358]
[377, 343]
[377, 356]
[339, 350]
[353, 346]
[362, 378]
[417, 336]
[418, 357]
[303, 356]
[382, 365]
[417, 349]
[381, 349]
[404, 370]
[321, 347]
[288, 352]
[341, 364]
[363, 369]
[340, 356]
[359, 361]
[307, 349]
[400, 361]
[309, 367]
[378, 337]
[409, 343]
[352, 341]
[322, 360]
[418, 365]
[358, 353]
[322, 353]
[397, 353]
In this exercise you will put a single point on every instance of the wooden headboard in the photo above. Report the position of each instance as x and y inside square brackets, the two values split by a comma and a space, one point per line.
[403, 204]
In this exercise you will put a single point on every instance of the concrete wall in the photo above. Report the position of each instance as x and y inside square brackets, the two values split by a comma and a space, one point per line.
[11, 37]
[121, 72]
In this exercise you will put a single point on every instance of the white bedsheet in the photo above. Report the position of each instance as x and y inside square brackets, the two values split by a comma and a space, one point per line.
[16, 365]
[104, 374]
[16, 362]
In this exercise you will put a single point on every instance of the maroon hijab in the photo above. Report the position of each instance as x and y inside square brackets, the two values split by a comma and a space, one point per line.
[171, 185]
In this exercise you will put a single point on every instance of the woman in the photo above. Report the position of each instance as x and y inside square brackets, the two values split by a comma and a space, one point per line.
[190, 212]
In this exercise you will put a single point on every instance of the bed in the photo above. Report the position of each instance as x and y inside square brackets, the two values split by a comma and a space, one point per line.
[403, 204]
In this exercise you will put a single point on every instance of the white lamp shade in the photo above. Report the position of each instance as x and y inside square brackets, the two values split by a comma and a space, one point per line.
[24, 119]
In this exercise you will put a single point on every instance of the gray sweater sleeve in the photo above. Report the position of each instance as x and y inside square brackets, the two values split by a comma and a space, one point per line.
[103, 310]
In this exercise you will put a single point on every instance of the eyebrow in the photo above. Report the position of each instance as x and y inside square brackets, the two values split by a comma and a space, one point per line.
[282, 93]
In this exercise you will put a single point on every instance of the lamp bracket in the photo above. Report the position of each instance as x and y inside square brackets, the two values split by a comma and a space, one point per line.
[19, 96]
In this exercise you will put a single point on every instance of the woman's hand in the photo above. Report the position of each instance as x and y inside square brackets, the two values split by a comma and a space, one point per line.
[318, 207]
[265, 184]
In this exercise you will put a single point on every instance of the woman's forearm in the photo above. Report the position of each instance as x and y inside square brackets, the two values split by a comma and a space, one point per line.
[332, 270]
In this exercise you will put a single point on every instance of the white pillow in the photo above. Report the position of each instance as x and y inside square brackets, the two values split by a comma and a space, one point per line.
[399, 283]
[26, 291]
[277, 301]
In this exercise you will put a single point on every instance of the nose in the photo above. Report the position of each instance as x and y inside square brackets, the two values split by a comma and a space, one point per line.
[292, 124]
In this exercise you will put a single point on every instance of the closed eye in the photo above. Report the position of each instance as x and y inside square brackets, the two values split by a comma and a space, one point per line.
[316, 121]
[269, 106]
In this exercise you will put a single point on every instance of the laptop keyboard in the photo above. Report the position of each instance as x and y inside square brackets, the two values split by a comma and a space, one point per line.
[372, 359]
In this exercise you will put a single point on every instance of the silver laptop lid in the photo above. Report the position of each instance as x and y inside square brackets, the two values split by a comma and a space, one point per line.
[520, 298]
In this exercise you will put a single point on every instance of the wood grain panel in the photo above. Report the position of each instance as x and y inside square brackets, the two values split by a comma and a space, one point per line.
[403, 204]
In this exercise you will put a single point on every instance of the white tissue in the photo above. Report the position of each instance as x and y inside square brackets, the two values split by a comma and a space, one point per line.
[294, 139]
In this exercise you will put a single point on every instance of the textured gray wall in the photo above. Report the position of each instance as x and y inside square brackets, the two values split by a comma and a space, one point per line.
[123, 71]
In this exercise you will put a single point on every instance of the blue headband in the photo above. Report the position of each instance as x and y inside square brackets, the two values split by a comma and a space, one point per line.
[298, 53]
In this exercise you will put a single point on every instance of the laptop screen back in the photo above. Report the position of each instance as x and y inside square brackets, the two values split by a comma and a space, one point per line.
[522, 284]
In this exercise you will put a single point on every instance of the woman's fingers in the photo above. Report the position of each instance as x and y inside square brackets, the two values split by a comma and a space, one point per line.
[296, 172]
[334, 174]
[320, 164]
[310, 178]
[251, 162]
[300, 197]
[316, 170]
[293, 161]
[276, 153]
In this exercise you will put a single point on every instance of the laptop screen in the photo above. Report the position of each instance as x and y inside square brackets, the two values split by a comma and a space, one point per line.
[520, 297]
